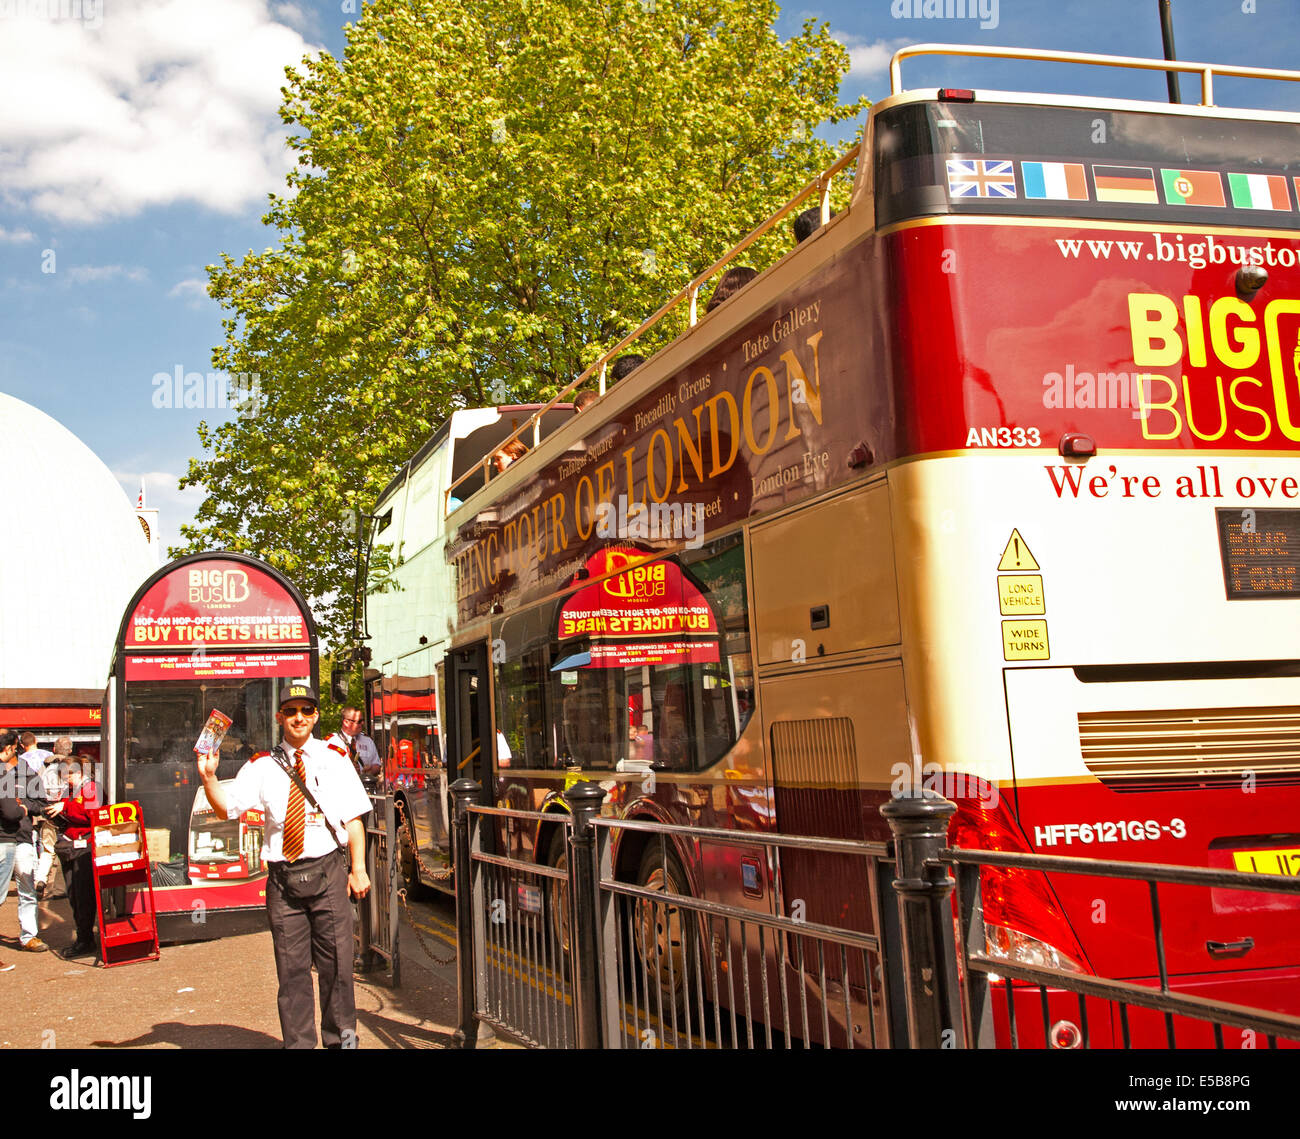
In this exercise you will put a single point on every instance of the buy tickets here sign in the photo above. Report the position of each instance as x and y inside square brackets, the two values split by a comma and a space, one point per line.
[651, 614]
[216, 604]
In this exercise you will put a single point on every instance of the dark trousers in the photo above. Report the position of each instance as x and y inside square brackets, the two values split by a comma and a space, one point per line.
[78, 877]
[311, 923]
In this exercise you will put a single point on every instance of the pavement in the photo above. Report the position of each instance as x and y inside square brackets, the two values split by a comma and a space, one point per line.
[212, 994]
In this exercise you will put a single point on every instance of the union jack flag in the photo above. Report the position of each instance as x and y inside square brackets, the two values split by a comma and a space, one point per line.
[981, 178]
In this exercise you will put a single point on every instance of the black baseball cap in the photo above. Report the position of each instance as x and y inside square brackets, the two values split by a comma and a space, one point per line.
[299, 692]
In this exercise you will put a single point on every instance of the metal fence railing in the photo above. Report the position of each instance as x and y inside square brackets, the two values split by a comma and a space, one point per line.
[1072, 1008]
[577, 955]
[518, 921]
[690, 973]
[376, 926]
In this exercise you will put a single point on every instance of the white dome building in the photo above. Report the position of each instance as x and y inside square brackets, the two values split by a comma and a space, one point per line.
[61, 600]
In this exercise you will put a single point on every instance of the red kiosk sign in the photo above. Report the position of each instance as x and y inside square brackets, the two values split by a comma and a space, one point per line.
[215, 607]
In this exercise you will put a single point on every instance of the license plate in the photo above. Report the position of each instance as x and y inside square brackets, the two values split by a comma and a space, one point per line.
[1283, 862]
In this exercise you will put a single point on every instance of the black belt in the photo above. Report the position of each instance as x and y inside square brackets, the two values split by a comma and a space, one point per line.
[302, 863]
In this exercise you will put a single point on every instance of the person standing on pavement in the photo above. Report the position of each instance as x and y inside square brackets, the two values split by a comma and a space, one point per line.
[315, 854]
[72, 815]
[22, 799]
[55, 777]
[358, 746]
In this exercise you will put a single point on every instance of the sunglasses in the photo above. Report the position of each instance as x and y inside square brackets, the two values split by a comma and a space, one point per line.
[299, 710]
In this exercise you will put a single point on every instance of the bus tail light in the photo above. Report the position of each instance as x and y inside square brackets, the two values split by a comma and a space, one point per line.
[1019, 948]
[1023, 921]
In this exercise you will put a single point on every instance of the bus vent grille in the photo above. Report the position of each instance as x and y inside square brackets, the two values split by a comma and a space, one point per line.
[819, 793]
[815, 769]
[1125, 749]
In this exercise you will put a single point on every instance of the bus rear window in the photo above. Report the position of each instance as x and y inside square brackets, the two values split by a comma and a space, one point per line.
[993, 158]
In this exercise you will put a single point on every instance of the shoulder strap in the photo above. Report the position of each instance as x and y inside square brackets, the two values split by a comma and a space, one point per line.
[288, 769]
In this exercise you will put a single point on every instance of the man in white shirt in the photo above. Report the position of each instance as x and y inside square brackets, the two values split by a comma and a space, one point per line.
[359, 747]
[315, 855]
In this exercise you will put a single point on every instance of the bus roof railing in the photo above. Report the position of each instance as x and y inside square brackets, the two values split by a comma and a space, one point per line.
[821, 184]
[1207, 71]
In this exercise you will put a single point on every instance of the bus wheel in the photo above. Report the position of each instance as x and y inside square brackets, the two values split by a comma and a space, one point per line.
[408, 867]
[557, 899]
[665, 935]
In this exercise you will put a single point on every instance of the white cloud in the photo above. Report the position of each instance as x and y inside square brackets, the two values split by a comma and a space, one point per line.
[88, 274]
[16, 236]
[195, 289]
[169, 101]
[868, 59]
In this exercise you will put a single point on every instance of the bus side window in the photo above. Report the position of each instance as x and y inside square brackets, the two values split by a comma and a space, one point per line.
[521, 683]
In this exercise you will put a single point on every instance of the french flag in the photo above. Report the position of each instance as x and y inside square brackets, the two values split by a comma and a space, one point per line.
[1060, 181]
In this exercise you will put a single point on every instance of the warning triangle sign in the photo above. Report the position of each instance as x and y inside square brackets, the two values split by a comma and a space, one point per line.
[1016, 556]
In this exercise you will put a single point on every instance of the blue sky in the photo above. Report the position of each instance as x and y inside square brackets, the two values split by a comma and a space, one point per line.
[139, 140]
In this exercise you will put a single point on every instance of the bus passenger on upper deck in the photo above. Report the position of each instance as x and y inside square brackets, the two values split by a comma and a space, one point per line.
[731, 282]
[506, 455]
[624, 366]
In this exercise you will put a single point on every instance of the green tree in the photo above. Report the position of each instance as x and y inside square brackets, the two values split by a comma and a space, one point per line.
[487, 197]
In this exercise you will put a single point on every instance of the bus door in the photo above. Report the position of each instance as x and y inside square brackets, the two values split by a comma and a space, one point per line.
[469, 718]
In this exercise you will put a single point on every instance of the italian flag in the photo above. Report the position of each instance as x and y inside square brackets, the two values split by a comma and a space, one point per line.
[1259, 191]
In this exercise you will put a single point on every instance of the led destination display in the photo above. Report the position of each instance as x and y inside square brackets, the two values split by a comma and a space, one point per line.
[1261, 553]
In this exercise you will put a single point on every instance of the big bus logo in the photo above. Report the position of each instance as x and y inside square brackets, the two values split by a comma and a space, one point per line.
[218, 587]
[1242, 372]
[640, 582]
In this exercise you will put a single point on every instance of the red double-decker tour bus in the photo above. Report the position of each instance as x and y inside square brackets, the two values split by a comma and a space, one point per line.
[991, 485]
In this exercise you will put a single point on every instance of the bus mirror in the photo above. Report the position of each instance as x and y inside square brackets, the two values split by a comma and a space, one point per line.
[339, 684]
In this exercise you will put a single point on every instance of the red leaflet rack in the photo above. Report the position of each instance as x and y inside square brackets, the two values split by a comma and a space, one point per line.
[128, 926]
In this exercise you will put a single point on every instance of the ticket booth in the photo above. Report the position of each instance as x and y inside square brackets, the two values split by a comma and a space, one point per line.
[219, 630]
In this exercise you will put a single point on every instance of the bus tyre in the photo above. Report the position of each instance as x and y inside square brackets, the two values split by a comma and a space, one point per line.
[557, 899]
[408, 867]
[665, 935]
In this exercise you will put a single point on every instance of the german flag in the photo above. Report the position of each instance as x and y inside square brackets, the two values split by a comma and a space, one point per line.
[1193, 187]
[1125, 184]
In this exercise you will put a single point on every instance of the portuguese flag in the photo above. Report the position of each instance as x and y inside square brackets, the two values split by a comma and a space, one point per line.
[1259, 191]
[1193, 187]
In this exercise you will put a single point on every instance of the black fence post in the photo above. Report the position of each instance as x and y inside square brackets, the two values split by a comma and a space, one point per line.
[365, 906]
[584, 801]
[920, 825]
[466, 793]
[392, 903]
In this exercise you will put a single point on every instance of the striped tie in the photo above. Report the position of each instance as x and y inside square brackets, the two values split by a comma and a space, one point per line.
[295, 815]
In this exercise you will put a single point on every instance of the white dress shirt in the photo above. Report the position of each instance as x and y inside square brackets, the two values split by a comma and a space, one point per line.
[262, 784]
